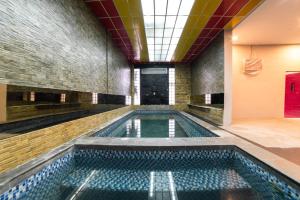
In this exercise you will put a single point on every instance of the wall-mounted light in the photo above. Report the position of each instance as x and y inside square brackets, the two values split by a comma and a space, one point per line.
[32, 96]
[294, 52]
[235, 38]
[94, 98]
[63, 98]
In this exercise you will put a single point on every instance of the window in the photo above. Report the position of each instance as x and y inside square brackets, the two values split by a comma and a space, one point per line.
[94, 98]
[207, 98]
[128, 100]
[136, 84]
[32, 96]
[172, 86]
[62, 98]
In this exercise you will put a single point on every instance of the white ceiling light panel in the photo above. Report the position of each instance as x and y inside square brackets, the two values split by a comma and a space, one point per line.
[164, 22]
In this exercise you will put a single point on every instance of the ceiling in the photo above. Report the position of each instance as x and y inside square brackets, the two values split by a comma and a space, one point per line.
[274, 22]
[124, 21]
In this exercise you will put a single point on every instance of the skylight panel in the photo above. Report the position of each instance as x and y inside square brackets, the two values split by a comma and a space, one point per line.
[174, 40]
[173, 7]
[166, 40]
[148, 7]
[149, 32]
[180, 22]
[158, 40]
[170, 21]
[159, 22]
[168, 32]
[185, 7]
[164, 22]
[177, 32]
[150, 41]
[158, 46]
[160, 7]
[149, 21]
[165, 47]
[150, 48]
[159, 32]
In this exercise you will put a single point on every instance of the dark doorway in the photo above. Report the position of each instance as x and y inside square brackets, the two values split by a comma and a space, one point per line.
[155, 85]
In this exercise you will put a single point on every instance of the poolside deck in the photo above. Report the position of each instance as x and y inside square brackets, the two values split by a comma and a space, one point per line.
[280, 136]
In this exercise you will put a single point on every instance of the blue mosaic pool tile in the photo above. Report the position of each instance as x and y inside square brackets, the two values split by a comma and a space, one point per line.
[155, 154]
[26, 185]
[191, 128]
[137, 178]
[266, 175]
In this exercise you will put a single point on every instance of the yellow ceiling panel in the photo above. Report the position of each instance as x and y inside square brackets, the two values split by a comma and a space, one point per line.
[244, 12]
[132, 18]
[199, 16]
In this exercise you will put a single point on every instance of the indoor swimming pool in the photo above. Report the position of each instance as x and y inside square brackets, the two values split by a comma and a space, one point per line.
[220, 173]
[155, 124]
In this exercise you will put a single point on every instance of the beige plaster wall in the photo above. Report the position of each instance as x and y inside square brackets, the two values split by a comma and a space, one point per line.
[262, 95]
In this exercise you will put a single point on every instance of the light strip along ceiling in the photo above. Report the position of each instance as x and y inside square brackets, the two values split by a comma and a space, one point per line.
[164, 22]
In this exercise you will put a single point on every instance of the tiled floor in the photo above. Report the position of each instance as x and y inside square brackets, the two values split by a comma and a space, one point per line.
[280, 136]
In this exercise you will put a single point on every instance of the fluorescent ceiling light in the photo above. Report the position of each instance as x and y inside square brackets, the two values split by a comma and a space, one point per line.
[164, 22]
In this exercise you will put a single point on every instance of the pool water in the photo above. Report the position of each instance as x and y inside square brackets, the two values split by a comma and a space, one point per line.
[146, 124]
[213, 174]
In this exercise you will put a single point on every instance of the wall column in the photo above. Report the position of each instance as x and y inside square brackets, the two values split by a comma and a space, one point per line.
[227, 116]
[3, 95]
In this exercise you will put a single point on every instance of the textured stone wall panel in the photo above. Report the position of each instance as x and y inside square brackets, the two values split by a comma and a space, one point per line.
[182, 84]
[118, 73]
[57, 44]
[208, 69]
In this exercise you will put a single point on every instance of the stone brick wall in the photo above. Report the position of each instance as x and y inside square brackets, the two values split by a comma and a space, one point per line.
[182, 85]
[17, 150]
[211, 114]
[59, 44]
[208, 69]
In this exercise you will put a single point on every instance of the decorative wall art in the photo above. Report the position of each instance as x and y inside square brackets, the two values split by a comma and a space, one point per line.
[253, 64]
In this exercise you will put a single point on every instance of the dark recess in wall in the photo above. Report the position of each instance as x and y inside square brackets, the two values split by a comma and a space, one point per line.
[154, 87]
[111, 99]
[217, 98]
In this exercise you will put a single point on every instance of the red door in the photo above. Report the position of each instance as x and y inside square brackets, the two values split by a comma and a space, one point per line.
[292, 95]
